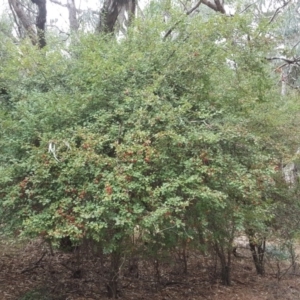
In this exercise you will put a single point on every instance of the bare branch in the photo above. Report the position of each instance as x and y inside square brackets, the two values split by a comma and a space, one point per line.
[194, 8]
[183, 4]
[187, 13]
[242, 11]
[35, 265]
[295, 45]
[277, 11]
[70, 5]
[286, 60]
[59, 30]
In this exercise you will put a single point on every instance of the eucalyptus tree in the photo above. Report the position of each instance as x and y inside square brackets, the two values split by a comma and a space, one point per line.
[31, 20]
[35, 29]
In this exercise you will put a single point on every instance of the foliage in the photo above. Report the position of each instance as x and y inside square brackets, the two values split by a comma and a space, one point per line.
[145, 133]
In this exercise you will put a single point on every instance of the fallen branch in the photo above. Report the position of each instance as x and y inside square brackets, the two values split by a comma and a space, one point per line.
[35, 265]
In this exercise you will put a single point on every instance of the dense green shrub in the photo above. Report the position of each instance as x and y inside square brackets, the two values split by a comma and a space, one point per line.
[159, 134]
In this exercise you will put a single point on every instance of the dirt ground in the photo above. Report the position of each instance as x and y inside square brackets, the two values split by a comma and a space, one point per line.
[29, 272]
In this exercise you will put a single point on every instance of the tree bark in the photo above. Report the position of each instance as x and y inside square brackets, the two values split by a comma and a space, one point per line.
[258, 251]
[36, 35]
[25, 20]
[216, 5]
[225, 260]
[108, 16]
[74, 25]
[41, 21]
[110, 12]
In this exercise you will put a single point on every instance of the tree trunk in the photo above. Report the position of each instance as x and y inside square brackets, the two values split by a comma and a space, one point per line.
[226, 275]
[110, 12]
[225, 260]
[24, 19]
[112, 286]
[108, 16]
[37, 36]
[258, 251]
[41, 21]
[74, 25]
[184, 258]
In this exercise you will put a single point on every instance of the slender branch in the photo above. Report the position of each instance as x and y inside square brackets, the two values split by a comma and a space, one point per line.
[288, 61]
[295, 45]
[242, 11]
[187, 13]
[277, 11]
[59, 30]
[194, 8]
[78, 10]
[183, 4]
[27, 8]
[35, 265]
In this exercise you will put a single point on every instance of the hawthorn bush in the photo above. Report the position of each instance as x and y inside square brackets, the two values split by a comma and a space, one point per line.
[157, 134]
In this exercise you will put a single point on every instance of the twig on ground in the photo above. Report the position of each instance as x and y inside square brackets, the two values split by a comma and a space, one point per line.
[35, 265]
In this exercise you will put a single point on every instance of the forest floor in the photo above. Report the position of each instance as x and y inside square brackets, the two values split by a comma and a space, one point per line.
[28, 271]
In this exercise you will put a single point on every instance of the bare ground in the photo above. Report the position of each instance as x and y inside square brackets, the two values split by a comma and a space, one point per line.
[29, 272]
